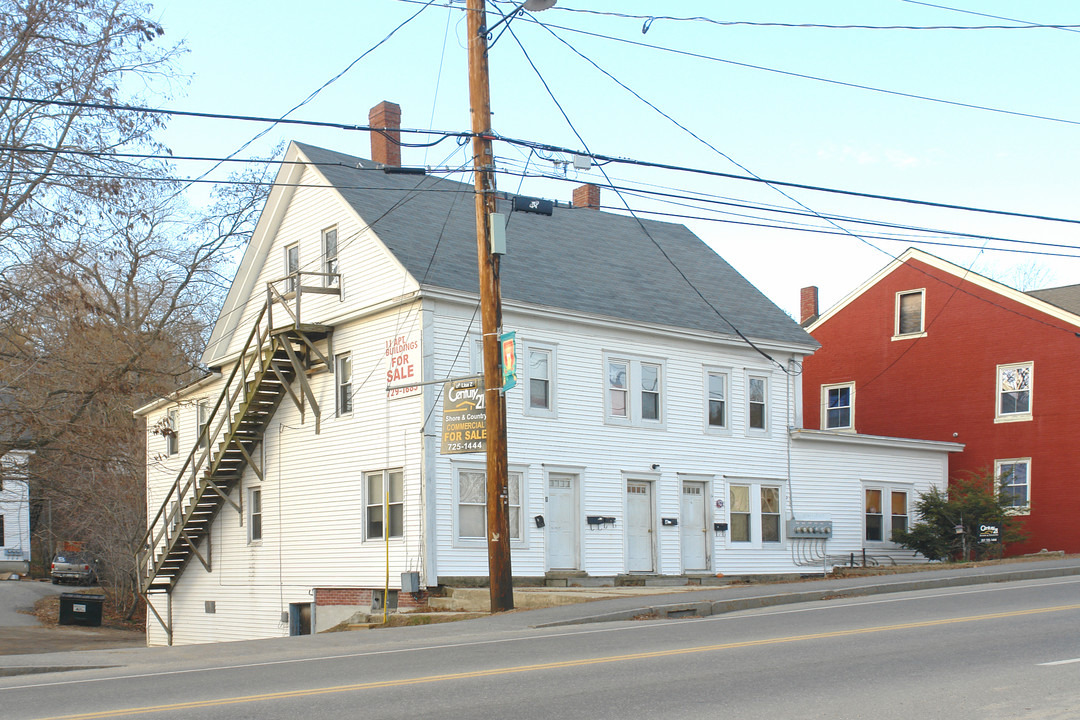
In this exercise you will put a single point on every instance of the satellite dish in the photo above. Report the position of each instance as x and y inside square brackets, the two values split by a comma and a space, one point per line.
[538, 5]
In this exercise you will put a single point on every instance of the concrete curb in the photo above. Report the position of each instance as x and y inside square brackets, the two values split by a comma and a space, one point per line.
[718, 607]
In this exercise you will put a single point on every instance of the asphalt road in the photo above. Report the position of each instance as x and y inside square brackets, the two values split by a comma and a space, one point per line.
[1007, 650]
[21, 633]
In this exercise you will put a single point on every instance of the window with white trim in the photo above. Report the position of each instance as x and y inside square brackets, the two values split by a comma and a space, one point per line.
[172, 433]
[716, 399]
[255, 515]
[886, 511]
[633, 391]
[1014, 384]
[343, 383]
[838, 406]
[471, 499]
[1014, 481]
[539, 380]
[384, 495]
[292, 266]
[757, 402]
[650, 391]
[203, 411]
[618, 388]
[330, 257]
[910, 313]
[754, 514]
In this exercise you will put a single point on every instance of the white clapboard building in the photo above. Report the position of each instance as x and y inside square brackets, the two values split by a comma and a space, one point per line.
[653, 430]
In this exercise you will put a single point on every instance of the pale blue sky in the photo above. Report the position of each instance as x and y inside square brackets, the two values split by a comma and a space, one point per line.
[779, 127]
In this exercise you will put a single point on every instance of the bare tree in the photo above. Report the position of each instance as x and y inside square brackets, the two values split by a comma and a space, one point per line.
[105, 313]
[64, 66]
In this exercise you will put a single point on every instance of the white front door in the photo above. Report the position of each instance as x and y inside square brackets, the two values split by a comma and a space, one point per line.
[694, 529]
[639, 527]
[562, 537]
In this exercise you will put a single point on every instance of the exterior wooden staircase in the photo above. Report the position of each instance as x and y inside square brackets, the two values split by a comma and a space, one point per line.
[273, 360]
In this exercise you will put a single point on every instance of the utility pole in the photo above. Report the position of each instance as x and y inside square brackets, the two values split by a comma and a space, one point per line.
[498, 504]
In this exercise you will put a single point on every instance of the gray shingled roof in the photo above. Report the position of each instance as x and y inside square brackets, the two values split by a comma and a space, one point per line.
[1066, 297]
[577, 259]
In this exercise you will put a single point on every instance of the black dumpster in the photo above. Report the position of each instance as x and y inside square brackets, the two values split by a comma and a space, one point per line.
[81, 609]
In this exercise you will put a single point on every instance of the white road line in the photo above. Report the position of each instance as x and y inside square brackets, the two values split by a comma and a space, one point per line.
[995, 587]
[1061, 662]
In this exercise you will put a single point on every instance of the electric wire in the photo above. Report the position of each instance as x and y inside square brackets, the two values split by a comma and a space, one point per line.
[599, 158]
[817, 78]
[641, 225]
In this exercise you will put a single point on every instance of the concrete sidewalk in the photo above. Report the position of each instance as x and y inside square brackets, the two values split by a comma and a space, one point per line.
[619, 604]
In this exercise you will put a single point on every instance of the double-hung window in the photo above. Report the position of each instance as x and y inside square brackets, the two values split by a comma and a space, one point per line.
[385, 497]
[618, 388]
[1014, 482]
[885, 512]
[172, 433]
[343, 382]
[203, 410]
[1014, 384]
[292, 267]
[838, 406]
[330, 257]
[757, 402]
[633, 391]
[716, 399]
[910, 314]
[472, 504]
[650, 391]
[754, 514]
[255, 515]
[540, 379]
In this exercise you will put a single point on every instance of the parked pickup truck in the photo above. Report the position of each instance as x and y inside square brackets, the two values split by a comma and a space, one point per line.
[73, 567]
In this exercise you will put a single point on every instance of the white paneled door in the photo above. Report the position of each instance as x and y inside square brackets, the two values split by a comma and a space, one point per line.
[562, 538]
[639, 527]
[695, 536]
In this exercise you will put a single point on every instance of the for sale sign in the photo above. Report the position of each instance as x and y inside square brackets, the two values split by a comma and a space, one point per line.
[989, 532]
[464, 426]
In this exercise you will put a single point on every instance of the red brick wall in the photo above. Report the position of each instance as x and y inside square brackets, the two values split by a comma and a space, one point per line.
[361, 597]
[942, 386]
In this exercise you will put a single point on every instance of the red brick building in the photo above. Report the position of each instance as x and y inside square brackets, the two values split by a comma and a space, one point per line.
[926, 349]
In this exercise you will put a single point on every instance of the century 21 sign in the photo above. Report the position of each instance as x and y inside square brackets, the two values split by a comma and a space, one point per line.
[464, 425]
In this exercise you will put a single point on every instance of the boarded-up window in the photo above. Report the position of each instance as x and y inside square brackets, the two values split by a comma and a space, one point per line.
[909, 311]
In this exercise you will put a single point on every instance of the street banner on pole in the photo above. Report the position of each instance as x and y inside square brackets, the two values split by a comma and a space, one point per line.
[508, 345]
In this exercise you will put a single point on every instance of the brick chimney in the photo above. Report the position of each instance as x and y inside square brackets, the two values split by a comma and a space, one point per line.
[587, 196]
[386, 148]
[808, 305]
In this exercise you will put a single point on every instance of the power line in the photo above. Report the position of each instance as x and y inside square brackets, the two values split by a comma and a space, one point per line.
[1069, 28]
[804, 76]
[671, 197]
[641, 225]
[227, 116]
[781, 183]
[536, 145]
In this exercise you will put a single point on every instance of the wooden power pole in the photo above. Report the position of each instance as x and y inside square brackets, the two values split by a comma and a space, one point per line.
[498, 503]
